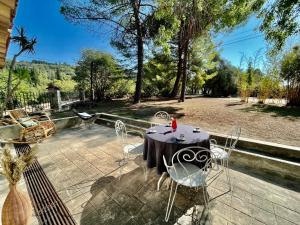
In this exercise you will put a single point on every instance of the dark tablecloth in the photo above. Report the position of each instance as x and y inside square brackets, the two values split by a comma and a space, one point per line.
[165, 143]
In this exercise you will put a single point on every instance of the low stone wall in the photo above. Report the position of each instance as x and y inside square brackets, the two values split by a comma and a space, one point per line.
[66, 122]
[261, 164]
[258, 156]
[291, 153]
[251, 155]
[255, 146]
[9, 132]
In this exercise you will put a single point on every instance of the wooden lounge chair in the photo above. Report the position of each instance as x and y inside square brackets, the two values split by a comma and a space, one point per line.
[33, 129]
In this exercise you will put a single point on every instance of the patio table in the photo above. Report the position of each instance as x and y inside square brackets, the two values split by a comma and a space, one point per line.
[164, 142]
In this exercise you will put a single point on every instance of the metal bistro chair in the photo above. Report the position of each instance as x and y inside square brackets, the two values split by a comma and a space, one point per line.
[222, 153]
[183, 172]
[160, 116]
[130, 150]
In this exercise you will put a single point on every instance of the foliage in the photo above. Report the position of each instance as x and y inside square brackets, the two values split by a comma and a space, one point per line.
[159, 74]
[290, 72]
[106, 75]
[225, 81]
[249, 80]
[160, 70]
[58, 74]
[280, 21]
[193, 19]
[129, 20]
[25, 44]
[268, 87]
[40, 75]
[65, 85]
[14, 166]
[201, 66]
[120, 88]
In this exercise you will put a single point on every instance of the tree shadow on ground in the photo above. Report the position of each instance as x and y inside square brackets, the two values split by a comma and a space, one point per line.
[234, 103]
[126, 109]
[276, 111]
[132, 200]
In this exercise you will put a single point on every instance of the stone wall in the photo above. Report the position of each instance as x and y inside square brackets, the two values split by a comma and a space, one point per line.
[258, 156]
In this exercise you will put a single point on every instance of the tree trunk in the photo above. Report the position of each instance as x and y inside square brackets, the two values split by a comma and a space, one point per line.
[140, 53]
[184, 70]
[174, 92]
[8, 102]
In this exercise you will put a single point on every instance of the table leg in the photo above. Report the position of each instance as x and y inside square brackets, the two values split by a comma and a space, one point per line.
[161, 180]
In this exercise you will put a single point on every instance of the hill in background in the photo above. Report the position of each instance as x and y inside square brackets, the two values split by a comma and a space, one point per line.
[41, 73]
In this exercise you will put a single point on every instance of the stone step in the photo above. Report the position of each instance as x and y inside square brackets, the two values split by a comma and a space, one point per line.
[285, 152]
[261, 163]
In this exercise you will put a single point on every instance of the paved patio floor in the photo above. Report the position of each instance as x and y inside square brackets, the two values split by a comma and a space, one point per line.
[83, 166]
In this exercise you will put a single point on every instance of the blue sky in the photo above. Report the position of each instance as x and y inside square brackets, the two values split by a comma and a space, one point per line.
[60, 41]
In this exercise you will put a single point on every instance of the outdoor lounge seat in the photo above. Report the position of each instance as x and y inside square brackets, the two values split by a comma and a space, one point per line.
[33, 129]
[86, 118]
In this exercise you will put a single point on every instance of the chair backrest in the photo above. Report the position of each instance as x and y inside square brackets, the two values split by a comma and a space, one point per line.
[232, 139]
[161, 116]
[120, 129]
[193, 154]
[17, 114]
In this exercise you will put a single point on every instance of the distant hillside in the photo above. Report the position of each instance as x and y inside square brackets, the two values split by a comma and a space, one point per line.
[41, 74]
[51, 69]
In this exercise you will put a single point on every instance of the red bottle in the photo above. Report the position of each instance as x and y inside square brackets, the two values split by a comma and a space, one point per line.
[174, 124]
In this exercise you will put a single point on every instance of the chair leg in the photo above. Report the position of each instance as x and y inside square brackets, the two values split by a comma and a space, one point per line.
[160, 180]
[145, 172]
[227, 174]
[122, 164]
[206, 202]
[171, 202]
[90, 124]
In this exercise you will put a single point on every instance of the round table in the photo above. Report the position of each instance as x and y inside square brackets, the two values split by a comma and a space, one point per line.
[165, 143]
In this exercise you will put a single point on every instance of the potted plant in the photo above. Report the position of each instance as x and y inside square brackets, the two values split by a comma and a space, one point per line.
[17, 209]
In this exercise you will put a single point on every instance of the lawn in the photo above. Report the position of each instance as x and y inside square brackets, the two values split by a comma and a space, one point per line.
[263, 122]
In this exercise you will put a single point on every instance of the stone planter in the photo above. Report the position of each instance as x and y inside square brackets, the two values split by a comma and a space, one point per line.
[17, 209]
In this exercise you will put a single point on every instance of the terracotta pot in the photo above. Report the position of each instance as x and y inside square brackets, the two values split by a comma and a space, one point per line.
[17, 209]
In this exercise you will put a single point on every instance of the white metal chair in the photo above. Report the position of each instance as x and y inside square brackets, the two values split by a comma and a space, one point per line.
[159, 117]
[183, 172]
[130, 150]
[222, 153]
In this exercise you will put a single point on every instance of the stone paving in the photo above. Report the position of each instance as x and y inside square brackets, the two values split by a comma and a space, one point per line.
[83, 165]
